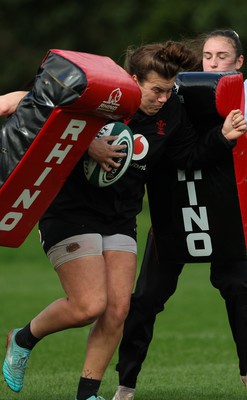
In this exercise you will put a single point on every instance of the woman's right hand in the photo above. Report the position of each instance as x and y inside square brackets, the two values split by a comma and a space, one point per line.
[104, 153]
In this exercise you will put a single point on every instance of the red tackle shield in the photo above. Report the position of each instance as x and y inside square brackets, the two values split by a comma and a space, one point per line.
[73, 96]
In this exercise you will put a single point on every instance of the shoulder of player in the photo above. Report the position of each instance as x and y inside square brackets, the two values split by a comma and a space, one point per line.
[173, 105]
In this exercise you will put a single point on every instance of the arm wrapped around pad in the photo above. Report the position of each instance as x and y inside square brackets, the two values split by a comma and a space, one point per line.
[201, 216]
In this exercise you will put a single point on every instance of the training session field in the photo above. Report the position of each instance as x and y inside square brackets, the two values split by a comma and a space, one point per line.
[192, 356]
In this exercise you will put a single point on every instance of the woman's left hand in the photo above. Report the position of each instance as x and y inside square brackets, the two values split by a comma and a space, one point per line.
[234, 126]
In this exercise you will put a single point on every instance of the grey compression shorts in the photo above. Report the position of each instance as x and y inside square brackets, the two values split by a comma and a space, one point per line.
[89, 244]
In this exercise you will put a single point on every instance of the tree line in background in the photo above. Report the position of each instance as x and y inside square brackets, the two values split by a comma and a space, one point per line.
[30, 28]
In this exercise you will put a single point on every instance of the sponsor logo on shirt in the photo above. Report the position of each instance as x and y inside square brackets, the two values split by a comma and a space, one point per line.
[141, 147]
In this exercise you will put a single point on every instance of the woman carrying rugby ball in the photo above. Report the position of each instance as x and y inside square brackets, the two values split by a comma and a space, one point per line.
[89, 233]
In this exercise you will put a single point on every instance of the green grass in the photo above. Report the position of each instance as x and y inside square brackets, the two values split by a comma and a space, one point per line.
[192, 355]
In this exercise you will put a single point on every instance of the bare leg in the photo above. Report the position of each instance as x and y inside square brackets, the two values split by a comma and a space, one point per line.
[84, 282]
[107, 330]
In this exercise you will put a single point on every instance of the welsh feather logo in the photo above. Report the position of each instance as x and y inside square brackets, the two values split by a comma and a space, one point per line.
[161, 127]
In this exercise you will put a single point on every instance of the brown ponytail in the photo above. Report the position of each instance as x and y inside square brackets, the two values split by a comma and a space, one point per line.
[167, 59]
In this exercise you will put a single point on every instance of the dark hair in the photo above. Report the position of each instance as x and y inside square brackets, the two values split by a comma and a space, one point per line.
[166, 59]
[229, 34]
[196, 45]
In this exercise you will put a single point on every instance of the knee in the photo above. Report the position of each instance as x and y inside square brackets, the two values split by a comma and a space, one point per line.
[148, 304]
[118, 313]
[87, 311]
[93, 311]
[229, 277]
[229, 284]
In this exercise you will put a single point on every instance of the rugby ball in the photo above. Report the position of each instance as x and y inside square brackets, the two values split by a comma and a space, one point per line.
[94, 173]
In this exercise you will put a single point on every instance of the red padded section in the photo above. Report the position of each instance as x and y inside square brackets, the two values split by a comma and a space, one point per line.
[240, 166]
[110, 93]
[229, 91]
[41, 173]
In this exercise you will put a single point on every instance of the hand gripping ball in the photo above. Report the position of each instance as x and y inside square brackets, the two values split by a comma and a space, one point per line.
[94, 173]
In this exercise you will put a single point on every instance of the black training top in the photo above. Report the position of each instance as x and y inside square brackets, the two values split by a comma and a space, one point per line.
[82, 208]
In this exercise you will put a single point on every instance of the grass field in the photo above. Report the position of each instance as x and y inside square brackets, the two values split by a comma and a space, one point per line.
[192, 355]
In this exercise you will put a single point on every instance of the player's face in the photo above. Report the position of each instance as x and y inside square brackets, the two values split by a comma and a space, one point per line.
[220, 55]
[155, 92]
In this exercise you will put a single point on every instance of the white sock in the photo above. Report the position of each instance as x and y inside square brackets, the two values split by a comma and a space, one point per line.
[125, 389]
